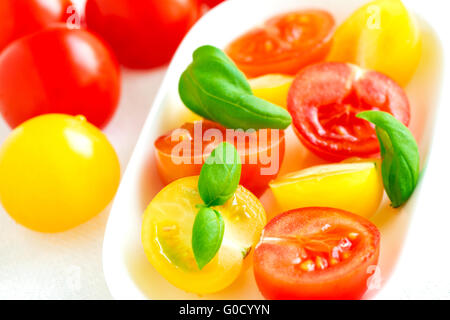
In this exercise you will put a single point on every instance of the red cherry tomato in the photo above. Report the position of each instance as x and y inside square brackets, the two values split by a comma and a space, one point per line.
[212, 3]
[143, 33]
[181, 152]
[316, 253]
[58, 71]
[284, 44]
[21, 17]
[324, 100]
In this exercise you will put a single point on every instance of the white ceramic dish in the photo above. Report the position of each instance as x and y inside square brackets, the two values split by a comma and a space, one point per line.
[128, 273]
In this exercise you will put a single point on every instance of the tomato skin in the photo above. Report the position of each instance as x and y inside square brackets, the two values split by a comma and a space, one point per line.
[278, 278]
[355, 186]
[22, 17]
[143, 33]
[285, 44]
[58, 71]
[212, 3]
[324, 100]
[253, 162]
[397, 35]
[57, 171]
[272, 87]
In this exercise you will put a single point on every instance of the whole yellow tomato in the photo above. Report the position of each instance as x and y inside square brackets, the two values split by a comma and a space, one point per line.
[57, 171]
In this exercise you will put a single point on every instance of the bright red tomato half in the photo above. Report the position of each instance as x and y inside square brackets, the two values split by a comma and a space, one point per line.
[181, 152]
[58, 71]
[21, 17]
[324, 100]
[284, 44]
[316, 253]
[143, 33]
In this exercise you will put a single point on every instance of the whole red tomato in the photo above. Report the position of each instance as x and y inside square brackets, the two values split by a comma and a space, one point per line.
[21, 17]
[212, 3]
[143, 33]
[58, 71]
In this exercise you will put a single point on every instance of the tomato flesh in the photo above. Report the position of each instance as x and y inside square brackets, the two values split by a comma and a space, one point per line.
[143, 33]
[22, 17]
[167, 236]
[316, 253]
[58, 71]
[261, 152]
[284, 44]
[324, 100]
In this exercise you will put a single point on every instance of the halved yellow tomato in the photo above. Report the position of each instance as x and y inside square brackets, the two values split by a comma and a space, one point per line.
[354, 187]
[167, 234]
[381, 36]
[272, 87]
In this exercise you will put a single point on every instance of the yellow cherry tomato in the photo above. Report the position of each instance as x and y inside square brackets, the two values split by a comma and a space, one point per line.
[381, 36]
[57, 171]
[167, 235]
[354, 187]
[272, 87]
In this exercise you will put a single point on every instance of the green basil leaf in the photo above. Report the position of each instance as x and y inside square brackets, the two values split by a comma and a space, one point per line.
[400, 156]
[207, 235]
[220, 175]
[214, 88]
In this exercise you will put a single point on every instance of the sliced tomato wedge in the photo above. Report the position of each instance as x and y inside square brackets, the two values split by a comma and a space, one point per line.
[284, 44]
[324, 100]
[316, 253]
[182, 151]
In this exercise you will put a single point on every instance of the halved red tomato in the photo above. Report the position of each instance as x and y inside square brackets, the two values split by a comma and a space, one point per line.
[284, 44]
[324, 100]
[316, 253]
[181, 152]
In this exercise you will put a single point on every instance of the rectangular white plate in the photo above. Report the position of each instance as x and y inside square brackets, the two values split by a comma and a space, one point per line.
[128, 273]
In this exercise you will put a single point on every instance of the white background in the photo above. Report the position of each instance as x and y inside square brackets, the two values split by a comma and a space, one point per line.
[69, 266]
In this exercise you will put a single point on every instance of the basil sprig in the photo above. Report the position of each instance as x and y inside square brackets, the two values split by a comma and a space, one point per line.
[207, 235]
[220, 175]
[400, 156]
[214, 88]
[219, 179]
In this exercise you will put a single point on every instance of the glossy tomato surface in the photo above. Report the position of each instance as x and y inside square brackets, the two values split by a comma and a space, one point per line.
[284, 44]
[22, 17]
[57, 171]
[143, 33]
[58, 71]
[212, 3]
[167, 236]
[316, 253]
[181, 152]
[324, 100]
